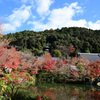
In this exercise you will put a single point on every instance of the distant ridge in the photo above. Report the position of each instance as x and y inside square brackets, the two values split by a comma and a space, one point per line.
[83, 39]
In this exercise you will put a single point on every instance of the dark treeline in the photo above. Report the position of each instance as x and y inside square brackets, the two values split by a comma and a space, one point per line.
[84, 40]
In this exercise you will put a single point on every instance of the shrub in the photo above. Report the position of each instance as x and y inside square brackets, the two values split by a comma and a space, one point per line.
[56, 53]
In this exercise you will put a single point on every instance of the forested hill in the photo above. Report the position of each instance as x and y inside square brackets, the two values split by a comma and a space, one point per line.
[84, 40]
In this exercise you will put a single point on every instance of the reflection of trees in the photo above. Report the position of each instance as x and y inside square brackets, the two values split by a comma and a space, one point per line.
[71, 92]
[93, 94]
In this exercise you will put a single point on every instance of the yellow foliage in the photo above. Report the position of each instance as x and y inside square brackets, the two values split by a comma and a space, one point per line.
[3, 88]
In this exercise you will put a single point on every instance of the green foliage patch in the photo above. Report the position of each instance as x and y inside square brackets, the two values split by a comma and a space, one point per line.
[80, 38]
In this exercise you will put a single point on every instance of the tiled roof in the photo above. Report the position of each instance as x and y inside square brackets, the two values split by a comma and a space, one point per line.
[90, 56]
[53, 58]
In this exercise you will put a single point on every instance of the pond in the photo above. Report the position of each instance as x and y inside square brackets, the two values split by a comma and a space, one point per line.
[69, 92]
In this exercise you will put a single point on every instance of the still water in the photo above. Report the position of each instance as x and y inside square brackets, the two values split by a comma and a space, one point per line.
[69, 92]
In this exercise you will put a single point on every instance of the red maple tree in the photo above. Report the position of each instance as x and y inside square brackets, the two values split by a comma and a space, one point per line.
[9, 57]
[48, 63]
[93, 70]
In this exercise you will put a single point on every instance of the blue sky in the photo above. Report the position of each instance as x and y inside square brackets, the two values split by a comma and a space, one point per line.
[38, 15]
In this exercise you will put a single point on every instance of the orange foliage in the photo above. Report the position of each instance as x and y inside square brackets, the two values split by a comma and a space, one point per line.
[94, 69]
[71, 49]
[48, 63]
[81, 60]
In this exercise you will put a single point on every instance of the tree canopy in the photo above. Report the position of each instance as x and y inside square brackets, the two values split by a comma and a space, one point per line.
[82, 39]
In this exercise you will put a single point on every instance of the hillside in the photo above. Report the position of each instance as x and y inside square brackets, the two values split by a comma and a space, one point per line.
[84, 40]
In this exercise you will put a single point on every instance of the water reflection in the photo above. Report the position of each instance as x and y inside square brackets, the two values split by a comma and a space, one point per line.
[69, 92]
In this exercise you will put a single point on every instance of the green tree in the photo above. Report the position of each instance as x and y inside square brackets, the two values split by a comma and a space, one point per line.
[87, 51]
[56, 53]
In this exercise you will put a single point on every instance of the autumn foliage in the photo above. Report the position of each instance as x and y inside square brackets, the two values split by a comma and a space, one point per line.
[48, 63]
[17, 67]
[9, 58]
[94, 70]
[13, 60]
[15, 77]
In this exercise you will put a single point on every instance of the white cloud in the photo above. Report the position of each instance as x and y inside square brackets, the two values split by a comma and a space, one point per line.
[62, 17]
[57, 18]
[43, 6]
[18, 17]
[95, 26]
